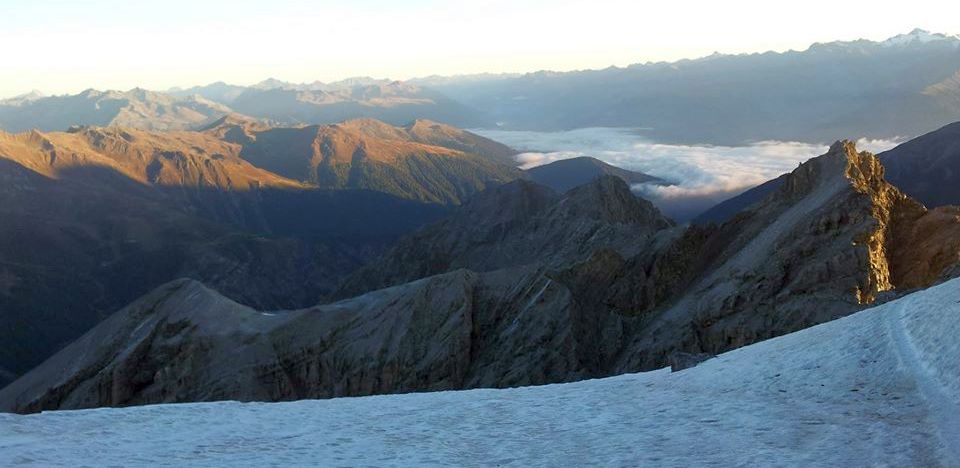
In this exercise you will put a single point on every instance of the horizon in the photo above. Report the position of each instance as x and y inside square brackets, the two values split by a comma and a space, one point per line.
[181, 87]
[296, 41]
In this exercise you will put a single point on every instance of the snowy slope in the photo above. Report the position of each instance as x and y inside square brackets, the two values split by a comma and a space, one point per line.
[878, 388]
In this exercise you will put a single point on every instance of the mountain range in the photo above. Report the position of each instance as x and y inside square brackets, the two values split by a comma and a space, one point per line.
[272, 217]
[98, 216]
[522, 285]
[903, 87]
[900, 87]
[273, 102]
[137, 108]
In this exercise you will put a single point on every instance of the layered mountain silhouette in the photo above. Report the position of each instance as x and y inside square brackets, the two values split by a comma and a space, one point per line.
[900, 87]
[393, 102]
[98, 216]
[272, 101]
[136, 108]
[506, 304]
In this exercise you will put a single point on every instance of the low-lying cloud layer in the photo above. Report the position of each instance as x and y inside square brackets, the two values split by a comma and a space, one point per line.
[703, 175]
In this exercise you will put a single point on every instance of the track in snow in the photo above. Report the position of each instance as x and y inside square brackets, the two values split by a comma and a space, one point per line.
[944, 411]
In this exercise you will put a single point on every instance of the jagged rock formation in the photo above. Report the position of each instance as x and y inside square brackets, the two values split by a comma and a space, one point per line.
[517, 224]
[923, 168]
[566, 174]
[184, 342]
[828, 242]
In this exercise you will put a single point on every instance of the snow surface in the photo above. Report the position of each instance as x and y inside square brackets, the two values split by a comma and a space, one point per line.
[879, 388]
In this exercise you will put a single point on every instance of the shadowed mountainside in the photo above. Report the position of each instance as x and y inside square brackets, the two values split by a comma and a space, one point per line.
[95, 217]
[928, 167]
[833, 239]
[517, 224]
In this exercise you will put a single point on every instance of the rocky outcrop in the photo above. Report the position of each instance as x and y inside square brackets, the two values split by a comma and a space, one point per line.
[828, 242]
[517, 224]
[923, 247]
[184, 342]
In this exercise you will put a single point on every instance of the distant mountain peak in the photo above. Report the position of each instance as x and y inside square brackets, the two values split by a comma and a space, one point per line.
[271, 83]
[918, 35]
[33, 95]
[566, 174]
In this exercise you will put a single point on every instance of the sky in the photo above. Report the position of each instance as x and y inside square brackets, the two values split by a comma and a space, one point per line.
[65, 46]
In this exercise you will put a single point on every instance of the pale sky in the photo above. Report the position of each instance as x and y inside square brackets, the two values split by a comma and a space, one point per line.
[65, 46]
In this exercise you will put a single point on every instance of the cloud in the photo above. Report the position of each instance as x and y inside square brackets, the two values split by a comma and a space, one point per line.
[703, 175]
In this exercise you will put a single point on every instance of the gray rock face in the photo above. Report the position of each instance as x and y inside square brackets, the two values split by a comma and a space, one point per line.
[184, 342]
[924, 168]
[825, 244]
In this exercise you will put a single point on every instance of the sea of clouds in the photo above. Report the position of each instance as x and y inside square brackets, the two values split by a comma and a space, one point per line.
[702, 175]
